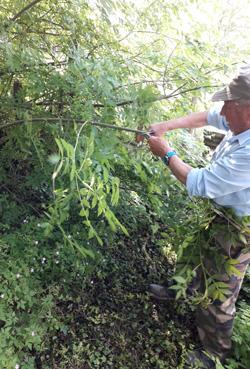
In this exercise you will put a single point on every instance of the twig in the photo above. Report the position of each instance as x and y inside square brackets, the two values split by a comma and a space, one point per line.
[184, 92]
[26, 8]
[166, 68]
[146, 254]
[147, 66]
[177, 89]
[221, 67]
[157, 33]
[156, 81]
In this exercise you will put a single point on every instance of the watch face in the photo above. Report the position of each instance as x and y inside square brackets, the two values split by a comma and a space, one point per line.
[168, 155]
[165, 159]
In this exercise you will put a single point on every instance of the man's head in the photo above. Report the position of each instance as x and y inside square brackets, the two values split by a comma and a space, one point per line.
[236, 97]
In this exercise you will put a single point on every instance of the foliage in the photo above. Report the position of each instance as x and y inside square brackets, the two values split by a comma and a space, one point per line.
[241, 338]
[74, 197]
[196, 244]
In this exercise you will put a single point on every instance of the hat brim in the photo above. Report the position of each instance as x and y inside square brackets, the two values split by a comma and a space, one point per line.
[224, 95]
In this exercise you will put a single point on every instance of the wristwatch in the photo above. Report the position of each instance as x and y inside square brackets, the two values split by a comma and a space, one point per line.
[167, 156]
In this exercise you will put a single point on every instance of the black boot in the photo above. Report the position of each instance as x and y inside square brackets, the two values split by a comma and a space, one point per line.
[161, 293]
[198, 359]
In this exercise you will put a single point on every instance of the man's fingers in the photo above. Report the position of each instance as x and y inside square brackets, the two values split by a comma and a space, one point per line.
[152, 141]
[139, 138]
[152, 132]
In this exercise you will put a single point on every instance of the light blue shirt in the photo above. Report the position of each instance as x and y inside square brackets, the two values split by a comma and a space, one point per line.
[226, 180]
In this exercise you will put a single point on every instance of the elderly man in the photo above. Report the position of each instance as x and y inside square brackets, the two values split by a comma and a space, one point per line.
[226, 180]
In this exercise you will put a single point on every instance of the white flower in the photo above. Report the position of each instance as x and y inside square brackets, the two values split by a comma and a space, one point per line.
[18, 275]
[57, 253]
[36, 242]
[57, 261]
[69, 236]
[17, 366]
[38, 225]
[2, 296]
[33, 333]
[32, 270]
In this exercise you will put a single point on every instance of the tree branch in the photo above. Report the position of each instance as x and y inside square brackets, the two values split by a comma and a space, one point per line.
[27, 7]
[147, 66]
[174, 93]
[163, 97]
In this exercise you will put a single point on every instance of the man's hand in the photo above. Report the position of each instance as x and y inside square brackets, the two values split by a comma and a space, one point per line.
[194, 120]
[139, 138]
[158, 129]
[158, 146]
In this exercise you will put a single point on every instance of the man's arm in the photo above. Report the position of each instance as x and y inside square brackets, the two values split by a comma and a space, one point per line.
[179, 169]
[225, 176]
[194, 120]
[160, 147]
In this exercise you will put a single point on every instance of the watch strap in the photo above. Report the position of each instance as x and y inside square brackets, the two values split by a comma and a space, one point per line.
[167, 156]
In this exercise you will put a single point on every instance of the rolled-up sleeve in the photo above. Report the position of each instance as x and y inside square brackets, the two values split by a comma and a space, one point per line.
[223, 177]
[216, 120]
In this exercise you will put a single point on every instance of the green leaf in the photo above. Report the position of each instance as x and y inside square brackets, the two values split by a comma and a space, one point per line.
[243, 238]
[179, 279]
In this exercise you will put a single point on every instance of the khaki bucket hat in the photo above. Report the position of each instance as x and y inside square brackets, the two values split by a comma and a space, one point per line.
[238, 89]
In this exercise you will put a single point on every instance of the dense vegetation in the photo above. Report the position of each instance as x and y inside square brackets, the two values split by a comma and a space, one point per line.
[87, 217]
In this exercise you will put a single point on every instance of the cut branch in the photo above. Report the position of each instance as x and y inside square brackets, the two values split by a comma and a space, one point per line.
[70, 120]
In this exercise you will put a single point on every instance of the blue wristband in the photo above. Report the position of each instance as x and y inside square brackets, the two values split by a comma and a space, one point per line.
[167, 157]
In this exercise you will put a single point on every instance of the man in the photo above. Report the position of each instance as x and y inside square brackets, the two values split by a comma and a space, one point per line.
[227, 182]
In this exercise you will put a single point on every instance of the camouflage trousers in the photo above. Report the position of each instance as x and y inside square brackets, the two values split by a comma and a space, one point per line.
[215, 321]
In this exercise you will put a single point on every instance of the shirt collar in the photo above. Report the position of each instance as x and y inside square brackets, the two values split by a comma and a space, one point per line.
[242, 137]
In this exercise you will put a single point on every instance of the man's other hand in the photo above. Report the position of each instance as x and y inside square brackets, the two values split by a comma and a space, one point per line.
[139, 138]
[158, 146]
